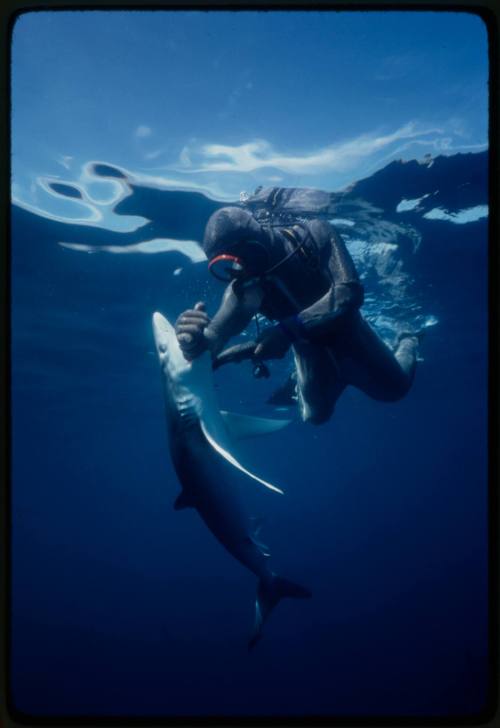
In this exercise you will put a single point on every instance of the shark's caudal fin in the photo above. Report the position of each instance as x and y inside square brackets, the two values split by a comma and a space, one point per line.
[241, 426]
[269, 593]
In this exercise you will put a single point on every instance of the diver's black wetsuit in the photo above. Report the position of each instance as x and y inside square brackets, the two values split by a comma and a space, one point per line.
[314, 294]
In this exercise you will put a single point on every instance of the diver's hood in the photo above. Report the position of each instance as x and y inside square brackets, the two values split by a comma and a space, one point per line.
[232, 228]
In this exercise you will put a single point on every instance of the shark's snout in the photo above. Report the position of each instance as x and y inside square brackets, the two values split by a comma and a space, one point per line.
[162, 328]
[169, 351]
[164, 332]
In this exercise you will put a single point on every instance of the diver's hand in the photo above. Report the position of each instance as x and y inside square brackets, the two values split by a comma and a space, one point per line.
[273, 343]
[189, 328]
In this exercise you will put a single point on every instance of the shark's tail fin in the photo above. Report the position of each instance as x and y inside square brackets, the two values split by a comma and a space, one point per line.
[269, 593]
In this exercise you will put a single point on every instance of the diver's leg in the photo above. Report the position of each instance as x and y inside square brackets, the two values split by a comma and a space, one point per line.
[318, 384]
[406, 355]
[370, 365]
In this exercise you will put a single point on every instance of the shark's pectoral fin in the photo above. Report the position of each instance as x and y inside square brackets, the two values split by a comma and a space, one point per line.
[183, 501]
[241, 426]
[230, 459]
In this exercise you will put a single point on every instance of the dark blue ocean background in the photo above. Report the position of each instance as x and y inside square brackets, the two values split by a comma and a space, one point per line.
[123, 606]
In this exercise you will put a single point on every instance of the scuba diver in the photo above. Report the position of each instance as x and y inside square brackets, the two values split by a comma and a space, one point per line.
[302, 278]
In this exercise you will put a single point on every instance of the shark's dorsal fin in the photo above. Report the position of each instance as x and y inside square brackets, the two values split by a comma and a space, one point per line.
[183, 501]
[241, 426]
[230, 459]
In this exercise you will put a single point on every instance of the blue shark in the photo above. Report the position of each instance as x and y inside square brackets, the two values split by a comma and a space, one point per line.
[201, 440]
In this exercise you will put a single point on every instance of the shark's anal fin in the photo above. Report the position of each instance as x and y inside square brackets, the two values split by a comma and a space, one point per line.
[241, 426]
[230, 459]
[183, 501]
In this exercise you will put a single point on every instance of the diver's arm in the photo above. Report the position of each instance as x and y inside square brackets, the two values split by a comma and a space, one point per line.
[238, 305]
[344, 296]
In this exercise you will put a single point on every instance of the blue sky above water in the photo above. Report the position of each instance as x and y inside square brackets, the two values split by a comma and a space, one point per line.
[225, 101]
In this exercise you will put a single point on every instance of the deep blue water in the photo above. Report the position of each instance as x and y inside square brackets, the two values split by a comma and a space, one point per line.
[122, 606]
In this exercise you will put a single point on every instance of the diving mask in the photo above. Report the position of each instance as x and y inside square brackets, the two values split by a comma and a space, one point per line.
[226, 267]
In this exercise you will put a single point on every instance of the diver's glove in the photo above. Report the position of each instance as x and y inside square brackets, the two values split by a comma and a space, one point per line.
[189, 328]
[273, 343]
